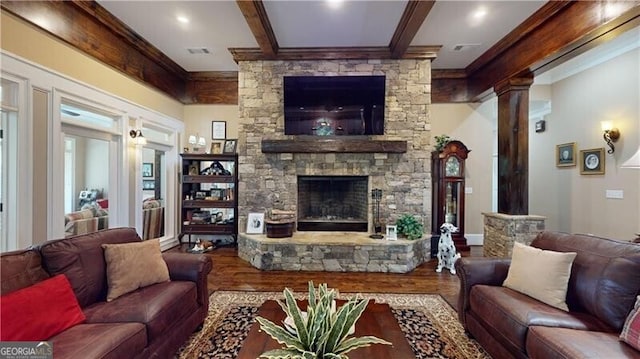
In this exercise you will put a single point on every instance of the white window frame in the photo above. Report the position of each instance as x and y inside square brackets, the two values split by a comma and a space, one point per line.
[17, 211]
[58, 86]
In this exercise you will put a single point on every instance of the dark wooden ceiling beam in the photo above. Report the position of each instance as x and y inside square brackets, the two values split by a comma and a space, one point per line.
[561, 32]
[412, 18]
[85, 27]
[212, 87]
[258, 21]
[333, 53]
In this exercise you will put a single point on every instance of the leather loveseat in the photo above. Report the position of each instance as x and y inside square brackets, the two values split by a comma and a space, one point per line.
[602, 290]
[149, 322]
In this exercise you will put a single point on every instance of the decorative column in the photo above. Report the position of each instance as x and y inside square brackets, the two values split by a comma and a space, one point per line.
[513, 223]
[513, 145]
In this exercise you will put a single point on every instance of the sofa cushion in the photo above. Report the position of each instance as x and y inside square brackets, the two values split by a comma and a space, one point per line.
[605, 276]
[507, 314]
[541, 274]
[561, 343]
[133, 265]
[631, 329]
[158, 306]
[20, 269]
[81, 259]
[102, 340]
[40, 311]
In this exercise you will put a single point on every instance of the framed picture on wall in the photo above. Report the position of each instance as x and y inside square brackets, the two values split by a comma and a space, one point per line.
[592, 161]
[147, 169]
[218, 130]
[566, 155]
[148, 185]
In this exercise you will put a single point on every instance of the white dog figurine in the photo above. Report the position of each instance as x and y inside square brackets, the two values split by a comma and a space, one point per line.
[447, 255]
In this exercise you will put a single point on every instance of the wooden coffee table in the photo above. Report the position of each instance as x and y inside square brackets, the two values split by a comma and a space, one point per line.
[376, 320]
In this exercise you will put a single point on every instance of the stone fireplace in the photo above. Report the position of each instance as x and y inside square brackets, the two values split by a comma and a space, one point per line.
[269, 179]
[333, 203]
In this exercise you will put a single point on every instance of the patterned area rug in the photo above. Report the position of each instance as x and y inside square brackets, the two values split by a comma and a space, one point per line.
[430, 325]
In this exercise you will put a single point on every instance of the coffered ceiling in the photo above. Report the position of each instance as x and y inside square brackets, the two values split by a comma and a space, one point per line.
[463, 29]
[190, 49]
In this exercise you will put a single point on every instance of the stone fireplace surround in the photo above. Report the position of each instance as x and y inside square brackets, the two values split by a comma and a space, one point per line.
[269, 180]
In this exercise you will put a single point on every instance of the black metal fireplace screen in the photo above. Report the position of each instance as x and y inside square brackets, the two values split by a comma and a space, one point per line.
[333, 203]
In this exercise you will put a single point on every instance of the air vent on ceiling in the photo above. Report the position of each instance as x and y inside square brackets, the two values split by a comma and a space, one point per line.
[464, 47]
[198, 50]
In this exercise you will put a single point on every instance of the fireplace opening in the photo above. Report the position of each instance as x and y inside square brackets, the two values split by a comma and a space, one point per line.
[333, 203]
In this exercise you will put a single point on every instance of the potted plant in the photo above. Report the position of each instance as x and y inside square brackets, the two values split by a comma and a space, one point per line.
[441, 141]
[409, 227]
[322, 332]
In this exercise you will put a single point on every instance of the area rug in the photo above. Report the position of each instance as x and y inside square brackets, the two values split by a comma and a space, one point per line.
[430, 325]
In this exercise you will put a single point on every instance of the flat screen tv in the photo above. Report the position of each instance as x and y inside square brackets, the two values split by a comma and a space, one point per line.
[334, 105]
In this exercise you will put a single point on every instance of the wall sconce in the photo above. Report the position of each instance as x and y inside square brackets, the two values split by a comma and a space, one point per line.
[610, 135]
[138, 138]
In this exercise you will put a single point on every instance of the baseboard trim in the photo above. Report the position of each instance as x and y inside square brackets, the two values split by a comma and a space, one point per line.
[474, 239]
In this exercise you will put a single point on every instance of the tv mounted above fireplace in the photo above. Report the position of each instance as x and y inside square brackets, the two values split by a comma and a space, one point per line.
[334, 105]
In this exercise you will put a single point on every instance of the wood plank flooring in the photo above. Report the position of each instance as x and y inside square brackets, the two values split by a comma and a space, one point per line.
[232, 273]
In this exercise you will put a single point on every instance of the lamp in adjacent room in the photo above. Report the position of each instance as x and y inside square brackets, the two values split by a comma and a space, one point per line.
[610, 135]
[633, 162]
[193, 141]
[138, 138]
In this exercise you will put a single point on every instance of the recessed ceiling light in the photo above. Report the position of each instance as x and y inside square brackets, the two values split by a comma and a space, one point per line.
[183, 19]
[335, 4]
[480, 13]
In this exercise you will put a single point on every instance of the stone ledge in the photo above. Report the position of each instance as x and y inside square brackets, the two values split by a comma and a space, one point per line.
[332, 252]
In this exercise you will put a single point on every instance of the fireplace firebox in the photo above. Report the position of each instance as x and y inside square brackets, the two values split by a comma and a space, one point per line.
[333, 203]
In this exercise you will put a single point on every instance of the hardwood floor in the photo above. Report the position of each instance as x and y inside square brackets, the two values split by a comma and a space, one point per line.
[232, 273]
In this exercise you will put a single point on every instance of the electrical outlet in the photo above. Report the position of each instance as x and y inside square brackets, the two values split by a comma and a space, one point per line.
[616, 194]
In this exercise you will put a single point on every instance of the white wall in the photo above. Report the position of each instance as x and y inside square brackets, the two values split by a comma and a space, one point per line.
[198, 118]
[474, 125]
[574, 202]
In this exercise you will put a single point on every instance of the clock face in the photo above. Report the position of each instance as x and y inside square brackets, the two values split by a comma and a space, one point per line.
[452, 167]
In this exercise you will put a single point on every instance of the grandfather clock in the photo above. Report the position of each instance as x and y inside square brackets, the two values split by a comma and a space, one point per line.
[447, 183]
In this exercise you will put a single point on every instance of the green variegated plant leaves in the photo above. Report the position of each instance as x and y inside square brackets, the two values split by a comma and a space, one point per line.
[320, 333]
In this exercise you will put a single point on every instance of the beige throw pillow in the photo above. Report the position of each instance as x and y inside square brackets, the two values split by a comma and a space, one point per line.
[133, 265]
[541, 274]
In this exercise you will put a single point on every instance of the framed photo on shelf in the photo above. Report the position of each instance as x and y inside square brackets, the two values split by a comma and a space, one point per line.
[148, 185]
[255, 223]
[216, 193]
[230, 146]
[218, 130]
[392, 232]
[592, 161]
[216, 148]
[147, 169]
[566, 155]
[200, 195]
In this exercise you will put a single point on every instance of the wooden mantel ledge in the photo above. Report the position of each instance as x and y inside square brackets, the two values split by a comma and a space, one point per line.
[333, 145]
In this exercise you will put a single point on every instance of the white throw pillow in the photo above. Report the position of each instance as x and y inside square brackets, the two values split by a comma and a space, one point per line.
[541, 274]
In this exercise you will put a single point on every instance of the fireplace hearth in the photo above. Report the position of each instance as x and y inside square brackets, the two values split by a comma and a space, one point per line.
[333, 203]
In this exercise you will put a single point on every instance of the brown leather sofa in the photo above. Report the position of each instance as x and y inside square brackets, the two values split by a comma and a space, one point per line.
[604, 283]
[151, 322]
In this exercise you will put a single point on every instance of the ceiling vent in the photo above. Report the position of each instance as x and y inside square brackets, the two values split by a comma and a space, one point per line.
[198, 50]
[464, 47]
